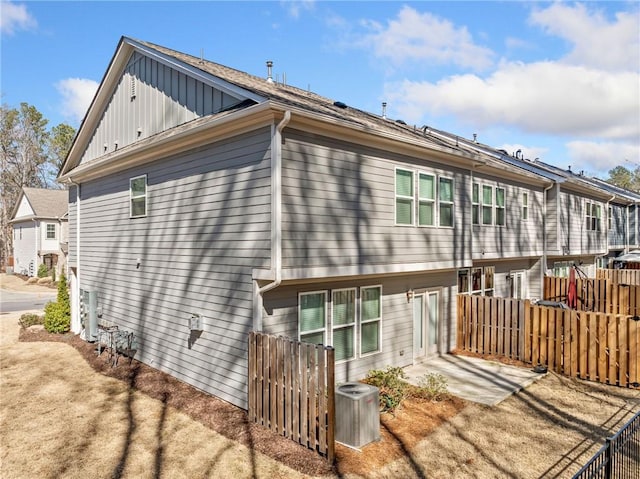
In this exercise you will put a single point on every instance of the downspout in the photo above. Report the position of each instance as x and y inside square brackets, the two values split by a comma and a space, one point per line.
[76, 325]
[544, 235]
[607, 229]
[276, 221]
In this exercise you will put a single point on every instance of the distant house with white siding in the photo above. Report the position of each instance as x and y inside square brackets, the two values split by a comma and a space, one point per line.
[40, 230]
[195, 188]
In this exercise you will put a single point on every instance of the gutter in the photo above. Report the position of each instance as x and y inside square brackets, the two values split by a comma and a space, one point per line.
[544, 235]
[276, 220]
[276, 205]
[76, 325]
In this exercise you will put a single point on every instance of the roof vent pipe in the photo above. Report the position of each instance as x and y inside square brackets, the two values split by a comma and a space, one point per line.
[269, 76]
[475, 138]
[384, 110]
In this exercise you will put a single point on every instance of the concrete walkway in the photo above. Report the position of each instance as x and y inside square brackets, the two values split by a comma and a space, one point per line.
[474, 379]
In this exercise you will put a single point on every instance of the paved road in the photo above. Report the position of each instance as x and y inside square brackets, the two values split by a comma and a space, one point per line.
[19, 301]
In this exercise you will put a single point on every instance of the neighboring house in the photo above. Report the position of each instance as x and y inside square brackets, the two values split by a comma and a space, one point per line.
[198, 189]
[40, 230]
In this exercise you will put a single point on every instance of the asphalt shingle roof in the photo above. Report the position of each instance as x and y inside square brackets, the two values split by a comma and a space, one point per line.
[47, 203]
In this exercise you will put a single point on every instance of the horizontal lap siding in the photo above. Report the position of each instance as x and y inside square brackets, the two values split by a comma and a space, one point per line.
[207, 228]
[339, 208]
[618, 230]
[518, 237]
[281, 318]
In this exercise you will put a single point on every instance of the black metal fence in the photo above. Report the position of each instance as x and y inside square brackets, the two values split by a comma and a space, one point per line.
[619, 457]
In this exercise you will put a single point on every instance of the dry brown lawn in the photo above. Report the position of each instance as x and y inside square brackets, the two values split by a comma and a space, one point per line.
[64, 413]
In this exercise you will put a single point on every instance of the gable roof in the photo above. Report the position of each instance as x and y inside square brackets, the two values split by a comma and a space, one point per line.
[45, 203]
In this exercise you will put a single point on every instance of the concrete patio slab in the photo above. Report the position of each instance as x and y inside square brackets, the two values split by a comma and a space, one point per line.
[475, 379]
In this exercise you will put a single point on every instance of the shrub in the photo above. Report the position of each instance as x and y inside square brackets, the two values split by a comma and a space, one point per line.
[29, 319]
[43, 272]
[432, 386]
[57, 315]
[391, 384]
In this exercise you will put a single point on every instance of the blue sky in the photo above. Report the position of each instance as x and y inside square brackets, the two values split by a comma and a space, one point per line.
[559, 81]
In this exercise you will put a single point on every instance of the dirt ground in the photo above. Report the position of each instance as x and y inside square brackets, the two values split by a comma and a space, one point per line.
[65, 413]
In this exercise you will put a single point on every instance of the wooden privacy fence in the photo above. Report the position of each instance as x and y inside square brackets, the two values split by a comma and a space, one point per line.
[292, 390]
[594, 346]
[599, 295]
[620, 276]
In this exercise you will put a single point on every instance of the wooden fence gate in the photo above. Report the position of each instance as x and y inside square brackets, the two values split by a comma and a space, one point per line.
[292, 390]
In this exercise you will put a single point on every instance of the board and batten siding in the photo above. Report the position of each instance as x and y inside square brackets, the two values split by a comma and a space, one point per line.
[339, 208]
[518, 237]
[281, 316]
[150, 98]
[207, 227]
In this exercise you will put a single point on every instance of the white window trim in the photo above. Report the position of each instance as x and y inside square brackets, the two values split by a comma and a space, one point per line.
[476, 204]
[524, 212]
[354, 325]
[325, 330]
[46, 231]
[412, 198]
[360, 322]
[495, 213]
[145, 196]
[431, 201]
[452, 202]
[484, 205]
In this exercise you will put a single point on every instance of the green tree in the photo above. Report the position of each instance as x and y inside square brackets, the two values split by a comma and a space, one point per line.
[61, 139]
[57, 316]
[621, 176]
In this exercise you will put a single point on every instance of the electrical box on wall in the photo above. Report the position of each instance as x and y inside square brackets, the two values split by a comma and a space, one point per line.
[195, 322]
[89, 312]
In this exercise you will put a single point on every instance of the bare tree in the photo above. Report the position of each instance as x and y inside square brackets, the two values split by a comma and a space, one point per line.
[29, 156]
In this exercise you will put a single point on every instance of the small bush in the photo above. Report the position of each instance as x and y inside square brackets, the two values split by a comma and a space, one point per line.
[432, 386]
[391, 384]
[43, 272]
[57, 316]
[30, 319]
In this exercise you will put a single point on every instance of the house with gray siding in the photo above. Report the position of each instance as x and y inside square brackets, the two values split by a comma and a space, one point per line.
[199, 190]
[40, 230]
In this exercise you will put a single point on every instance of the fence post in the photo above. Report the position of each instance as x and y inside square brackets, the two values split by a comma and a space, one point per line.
[608, 457]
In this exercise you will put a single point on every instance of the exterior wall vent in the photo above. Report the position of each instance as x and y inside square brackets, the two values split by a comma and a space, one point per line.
[133, 87]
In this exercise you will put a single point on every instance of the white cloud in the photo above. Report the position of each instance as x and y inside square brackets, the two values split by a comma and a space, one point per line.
[77, 94]
[542, 97]
[526, 152]
[603, 156]
[414, 36]
[294, 7]
[15, 17]
[596, 41]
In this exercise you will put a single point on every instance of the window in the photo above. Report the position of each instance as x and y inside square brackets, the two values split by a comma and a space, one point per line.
[370, 319]
[500, 207]
[343, 321]
[404, 197]
[463, 281]
[609, 218]
[561, 268]
[347, 326]
[487, 205]
[525, 206]
[593, 215]
[477, 281]
[138, 196]
[51, 231]
[475, 204]
[426, 199]
[445, 197]
[313, 317]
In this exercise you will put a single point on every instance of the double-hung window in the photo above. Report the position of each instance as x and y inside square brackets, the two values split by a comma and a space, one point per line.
[500, 207]
[477, 281]
[312, 317]
[445, 201]
[475, 204]
[525, 206]
[51, 231]
[426, 199]
[343, 323]
[339, 318]
[487, 205]
[594, 213]
[404, 197]
[370, 319]
[138, 196]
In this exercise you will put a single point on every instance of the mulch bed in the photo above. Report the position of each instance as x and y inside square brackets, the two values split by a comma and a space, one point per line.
[399, 432]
